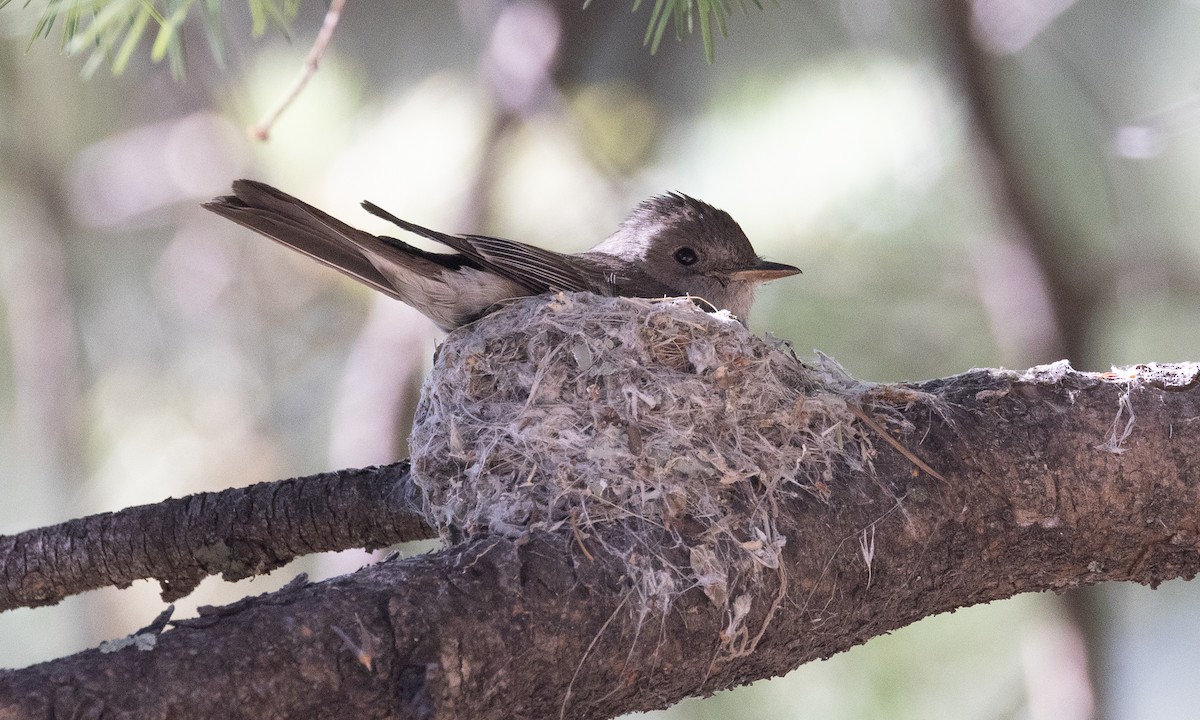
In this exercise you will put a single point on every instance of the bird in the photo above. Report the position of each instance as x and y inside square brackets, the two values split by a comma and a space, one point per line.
[670, 245]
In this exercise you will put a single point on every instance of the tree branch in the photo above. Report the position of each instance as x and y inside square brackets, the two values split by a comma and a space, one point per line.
[237, 533]
[1054, 479]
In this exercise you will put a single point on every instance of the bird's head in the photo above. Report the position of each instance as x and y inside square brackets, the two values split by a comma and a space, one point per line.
[695, 249]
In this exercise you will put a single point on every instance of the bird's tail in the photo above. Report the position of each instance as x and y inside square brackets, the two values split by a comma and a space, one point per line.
[302, 227]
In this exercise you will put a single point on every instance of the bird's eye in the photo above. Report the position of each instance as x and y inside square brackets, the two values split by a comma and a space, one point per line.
[686, 256]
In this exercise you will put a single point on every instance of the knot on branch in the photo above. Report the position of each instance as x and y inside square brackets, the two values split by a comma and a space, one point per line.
[581, 414]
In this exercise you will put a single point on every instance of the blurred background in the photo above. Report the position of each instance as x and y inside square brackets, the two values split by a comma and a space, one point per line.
[988, 183]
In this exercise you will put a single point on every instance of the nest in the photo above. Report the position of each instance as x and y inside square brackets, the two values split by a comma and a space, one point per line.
[572, 412]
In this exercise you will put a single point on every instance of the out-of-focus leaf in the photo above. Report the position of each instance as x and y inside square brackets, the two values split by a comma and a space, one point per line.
[687, 15]
[106, 25]
[168, 32]
[264, 12]
[134, 34]
[706, 29]
[210, 13]
[659, 17]
[112, 30]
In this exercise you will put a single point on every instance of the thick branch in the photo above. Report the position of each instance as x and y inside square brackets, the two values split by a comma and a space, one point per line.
[236, 533]
[1054, 479]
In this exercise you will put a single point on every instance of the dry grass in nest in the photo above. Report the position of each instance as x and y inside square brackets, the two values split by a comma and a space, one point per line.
[573, 412]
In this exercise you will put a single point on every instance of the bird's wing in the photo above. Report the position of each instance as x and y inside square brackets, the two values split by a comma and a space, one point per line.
[302, 227]
[554, 270]
[536, 269]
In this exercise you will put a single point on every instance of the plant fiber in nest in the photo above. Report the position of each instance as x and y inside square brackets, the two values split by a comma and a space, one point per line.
[577, 411]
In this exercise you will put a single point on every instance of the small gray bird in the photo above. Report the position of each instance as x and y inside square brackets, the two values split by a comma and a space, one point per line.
[671, 245]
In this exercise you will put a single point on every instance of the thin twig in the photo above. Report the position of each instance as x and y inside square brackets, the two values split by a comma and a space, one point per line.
[262, 130]
[881, 432]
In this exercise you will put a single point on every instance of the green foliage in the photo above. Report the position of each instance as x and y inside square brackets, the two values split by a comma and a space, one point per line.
[687, 14]
[113, 29]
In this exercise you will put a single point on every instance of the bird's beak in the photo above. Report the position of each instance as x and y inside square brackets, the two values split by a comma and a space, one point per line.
[763, 271]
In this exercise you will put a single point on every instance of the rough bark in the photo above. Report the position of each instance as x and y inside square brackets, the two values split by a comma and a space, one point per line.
[1054, 479]
[236, 533]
